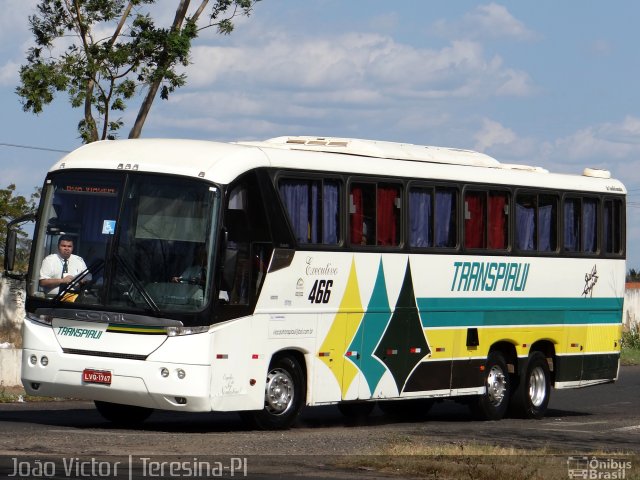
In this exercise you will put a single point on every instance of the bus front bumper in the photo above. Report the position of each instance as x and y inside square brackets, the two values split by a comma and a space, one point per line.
[160, 385]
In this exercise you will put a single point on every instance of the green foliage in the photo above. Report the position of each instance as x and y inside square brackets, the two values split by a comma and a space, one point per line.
[633, 275]
[631, 338]
[99, 72]
[11, 207]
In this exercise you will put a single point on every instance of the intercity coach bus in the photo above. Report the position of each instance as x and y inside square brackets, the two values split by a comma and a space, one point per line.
[262, 277]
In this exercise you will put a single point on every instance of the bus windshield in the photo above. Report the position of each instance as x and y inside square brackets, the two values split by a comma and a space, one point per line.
[125, 241]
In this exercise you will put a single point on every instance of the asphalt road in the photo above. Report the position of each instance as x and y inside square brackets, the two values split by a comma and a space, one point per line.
[603, 418]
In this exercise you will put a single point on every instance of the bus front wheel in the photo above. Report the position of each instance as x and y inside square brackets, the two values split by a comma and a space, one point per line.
[531, 396]
[283, 397]
[493, 403]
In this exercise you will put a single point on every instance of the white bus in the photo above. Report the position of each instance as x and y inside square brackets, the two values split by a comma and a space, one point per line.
[261, 277]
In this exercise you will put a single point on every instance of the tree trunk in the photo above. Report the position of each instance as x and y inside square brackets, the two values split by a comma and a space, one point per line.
[181, 13]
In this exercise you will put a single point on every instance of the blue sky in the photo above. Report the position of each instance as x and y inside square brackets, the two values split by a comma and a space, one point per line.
[544, 83]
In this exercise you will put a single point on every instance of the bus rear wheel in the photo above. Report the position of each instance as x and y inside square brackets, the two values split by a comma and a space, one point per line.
[122, 414]
[493, 403]
[531, 396]
[283, 397]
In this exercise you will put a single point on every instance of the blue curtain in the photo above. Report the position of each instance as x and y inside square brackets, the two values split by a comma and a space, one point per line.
[589, 225]
[295, 196]
[445, 219]
[314, 236]
[544, 226]
[608, 232]
[420, 218]
[330, 213]
[571, 223]
[525, 227]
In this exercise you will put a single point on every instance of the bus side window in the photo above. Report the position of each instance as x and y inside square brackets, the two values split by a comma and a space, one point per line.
[612, 226]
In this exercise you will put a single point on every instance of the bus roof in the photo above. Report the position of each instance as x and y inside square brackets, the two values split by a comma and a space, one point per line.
[223, 162]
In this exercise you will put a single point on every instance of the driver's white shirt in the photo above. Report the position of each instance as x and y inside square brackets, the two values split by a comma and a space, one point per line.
[52, 268]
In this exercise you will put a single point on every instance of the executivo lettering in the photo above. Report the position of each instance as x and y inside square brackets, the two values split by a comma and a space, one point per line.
[489, 276]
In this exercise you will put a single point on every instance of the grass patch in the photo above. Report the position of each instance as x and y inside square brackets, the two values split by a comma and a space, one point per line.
[18, 395]
[460, 460]
[630, 354]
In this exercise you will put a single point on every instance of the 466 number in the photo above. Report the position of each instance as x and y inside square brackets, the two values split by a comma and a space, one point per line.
[321, 291]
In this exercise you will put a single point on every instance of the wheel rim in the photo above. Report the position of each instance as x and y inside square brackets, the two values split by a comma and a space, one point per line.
[279, 391]
[537, 386]
[496, 385]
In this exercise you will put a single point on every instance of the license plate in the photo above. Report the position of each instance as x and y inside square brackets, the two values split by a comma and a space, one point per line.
[96, 376]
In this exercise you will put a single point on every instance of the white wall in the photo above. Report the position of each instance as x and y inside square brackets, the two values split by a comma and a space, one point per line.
[631, 311]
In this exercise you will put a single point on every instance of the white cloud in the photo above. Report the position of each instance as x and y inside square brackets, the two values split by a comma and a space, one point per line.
[607, 141]
[486, 21]
[357, 62]
[9, 74]
[505, 144]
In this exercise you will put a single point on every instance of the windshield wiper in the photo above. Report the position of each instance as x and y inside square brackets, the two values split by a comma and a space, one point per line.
[136, 283]
[71, 286]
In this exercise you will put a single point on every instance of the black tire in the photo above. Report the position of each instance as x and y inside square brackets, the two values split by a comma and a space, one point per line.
[493, 403]
[285, 392]
[411, 409]
[123, 415]
[531, 396]
[356, 410]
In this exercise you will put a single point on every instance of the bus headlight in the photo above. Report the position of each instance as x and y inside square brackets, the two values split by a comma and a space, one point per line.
[179, 331]
[164, 372]
[181, 373]
[44, 361]
[33, 359]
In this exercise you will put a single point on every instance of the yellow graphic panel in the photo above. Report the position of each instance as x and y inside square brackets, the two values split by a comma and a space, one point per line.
[344, 326]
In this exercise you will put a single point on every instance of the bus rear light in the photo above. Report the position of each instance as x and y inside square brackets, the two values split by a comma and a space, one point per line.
[252, 381]
[255, 356]
[415, 350]
[352, 354]
[222, 356]
[392, 351]
[440, 349]
[324, 354]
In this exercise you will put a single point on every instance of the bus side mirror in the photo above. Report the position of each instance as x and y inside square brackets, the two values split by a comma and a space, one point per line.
[10, 251]
[11, 246]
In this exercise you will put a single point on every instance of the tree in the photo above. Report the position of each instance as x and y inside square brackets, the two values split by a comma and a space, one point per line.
[12, 207]
[103, 52]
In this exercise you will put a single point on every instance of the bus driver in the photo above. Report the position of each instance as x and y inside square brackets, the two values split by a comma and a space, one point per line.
[61, 268]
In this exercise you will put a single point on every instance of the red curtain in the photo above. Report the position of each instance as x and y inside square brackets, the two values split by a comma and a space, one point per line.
[474, 220]
[387, 216]
[497, 221]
